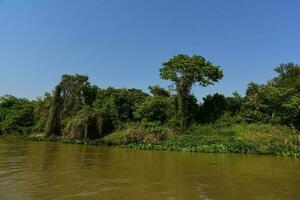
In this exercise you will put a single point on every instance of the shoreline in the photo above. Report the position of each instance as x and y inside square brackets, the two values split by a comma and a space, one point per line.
[174, 144]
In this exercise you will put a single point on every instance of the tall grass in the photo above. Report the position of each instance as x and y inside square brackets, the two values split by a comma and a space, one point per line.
[239, 138]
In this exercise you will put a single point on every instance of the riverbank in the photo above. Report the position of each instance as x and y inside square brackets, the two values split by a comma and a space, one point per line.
[240, 138]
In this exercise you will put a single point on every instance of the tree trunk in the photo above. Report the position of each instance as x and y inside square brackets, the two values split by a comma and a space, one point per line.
[182, 108]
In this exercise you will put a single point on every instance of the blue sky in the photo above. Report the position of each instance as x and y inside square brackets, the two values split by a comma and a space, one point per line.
[123, 43]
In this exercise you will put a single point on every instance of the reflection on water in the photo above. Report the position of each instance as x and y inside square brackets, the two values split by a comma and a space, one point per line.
[42, 171]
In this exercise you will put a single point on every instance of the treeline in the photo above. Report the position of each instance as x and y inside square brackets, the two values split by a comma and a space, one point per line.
[76, 109]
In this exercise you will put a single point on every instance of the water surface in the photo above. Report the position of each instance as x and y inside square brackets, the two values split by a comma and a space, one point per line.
[45, 170]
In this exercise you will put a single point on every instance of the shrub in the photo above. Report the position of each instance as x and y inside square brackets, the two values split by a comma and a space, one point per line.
[139, 133]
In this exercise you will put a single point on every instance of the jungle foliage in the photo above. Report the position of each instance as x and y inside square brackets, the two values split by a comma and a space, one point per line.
[76, 109]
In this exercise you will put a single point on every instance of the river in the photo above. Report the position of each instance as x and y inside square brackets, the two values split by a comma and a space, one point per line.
[53, 171]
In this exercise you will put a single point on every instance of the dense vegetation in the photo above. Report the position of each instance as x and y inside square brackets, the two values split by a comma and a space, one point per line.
[265, 120]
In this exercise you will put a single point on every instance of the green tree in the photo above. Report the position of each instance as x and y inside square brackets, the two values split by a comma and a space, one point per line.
[253, 88]
[71, 94]
[193, 109]
[54, 119]
[156, 108]
[291, 111]
[234, 103]
[118, 105]
[271, 104]
[288, 76]
[16, 115]
[76, 92]
[156, 90]
[42, 106]
[213, 107]
[185, 71]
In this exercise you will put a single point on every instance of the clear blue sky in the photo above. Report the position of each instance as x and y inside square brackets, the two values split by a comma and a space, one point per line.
[122, 43]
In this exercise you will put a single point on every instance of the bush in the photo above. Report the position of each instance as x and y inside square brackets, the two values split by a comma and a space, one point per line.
[139, 133]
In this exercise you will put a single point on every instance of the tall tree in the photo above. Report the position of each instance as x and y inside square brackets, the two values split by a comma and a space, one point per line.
[70, 96]
[185, 71]
[53, 123]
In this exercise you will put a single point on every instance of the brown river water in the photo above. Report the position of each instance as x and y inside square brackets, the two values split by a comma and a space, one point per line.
[46, 171]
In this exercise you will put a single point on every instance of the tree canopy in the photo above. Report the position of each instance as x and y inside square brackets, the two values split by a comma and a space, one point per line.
[185, 71]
